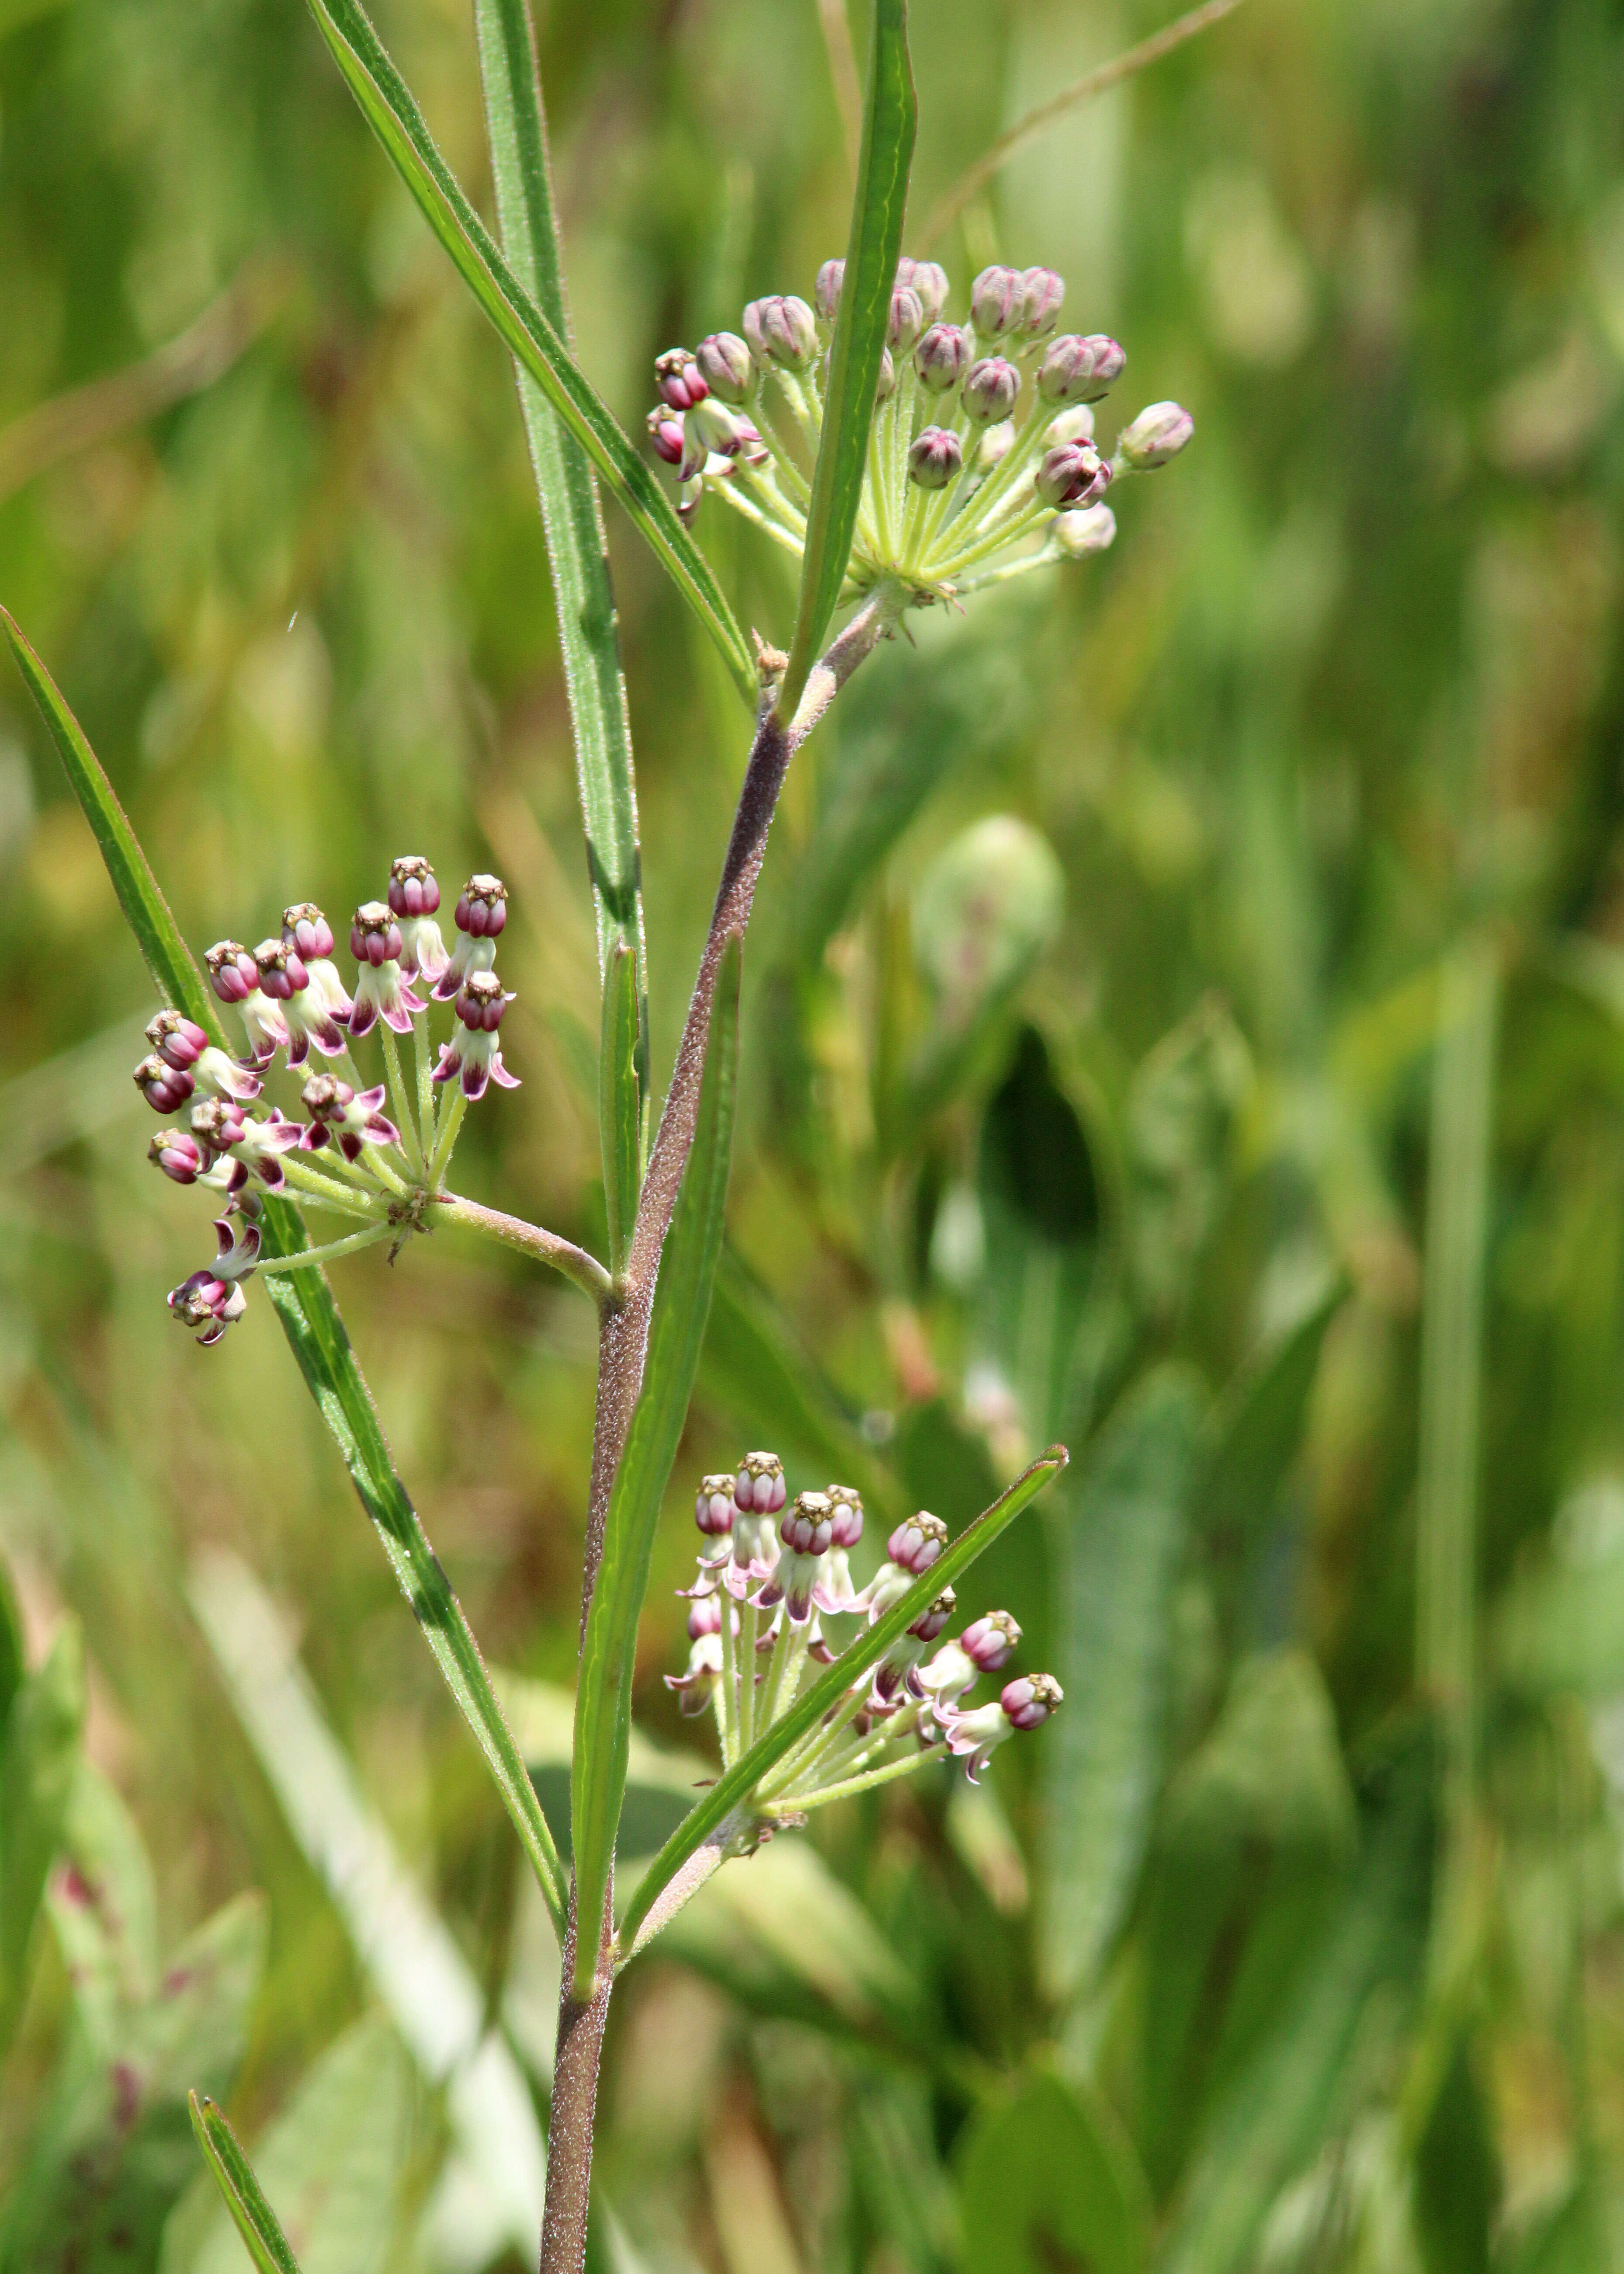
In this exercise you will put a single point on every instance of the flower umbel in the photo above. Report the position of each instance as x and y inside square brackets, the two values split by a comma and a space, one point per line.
[982, 443]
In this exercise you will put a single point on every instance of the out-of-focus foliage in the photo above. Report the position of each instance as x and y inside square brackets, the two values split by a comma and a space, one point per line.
[1086, 1089]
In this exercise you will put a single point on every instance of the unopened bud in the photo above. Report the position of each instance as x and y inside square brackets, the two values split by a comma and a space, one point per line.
[374, 935]
[713, 1506]
[232, 970]
[1086, 530]
[178, 1155]
[1044, 291]
[303, 927]
[1073, 425]
[281, 969]
[704, 1616]
[989, 1642]
[826, 291]
[1066, 373]
[413, 891]
[482, 907]
[759, 1485]
[1159, 432]
[905, 320]
[1031, 1700]
[165, 1087]
[809, 1527]
[916, 1544]
[930, 1622]
[848, 1515]
[997, 299]
[481, 1002]
[990, 388]
[179, 1041]
[724, 364]
[885, 383]
[679, 379]
[936, 454]
[781, 330]
[940, 357]
[928, 279]
[1071, 475]
[666, 433]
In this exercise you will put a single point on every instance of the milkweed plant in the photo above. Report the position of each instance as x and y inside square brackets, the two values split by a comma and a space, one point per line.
[906, 458]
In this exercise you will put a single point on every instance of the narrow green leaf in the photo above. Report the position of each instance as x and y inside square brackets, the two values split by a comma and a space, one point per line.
[676, 1335]
[583, 588]
[1257, 1427]
[730, 1790]
[1104, 1768]
[1048, 2179]
[13, 1664]
[145, 910]
[252, 2215]
[392, 112]
[36, 1775]
[871, 254]
[304, 1302]
[1294, 2091]
[619, 1113]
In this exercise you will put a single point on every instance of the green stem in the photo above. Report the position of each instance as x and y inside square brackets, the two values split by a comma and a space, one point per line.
[422, 1051]
[400, 1099]
[319, 1191]
[330, 1253]
[750, 1636]
[531, 1240]
[731, 1746]
[446, 1137]
[816, 1745]
[798, 1804]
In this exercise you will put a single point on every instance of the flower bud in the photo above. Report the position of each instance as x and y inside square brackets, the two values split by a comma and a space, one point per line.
[916, 1544]
[1066, 372]
[1073, 425]
[885, 383]
[306, 929]
[809, 1525]
[826, 291]
[697, 1688]
[724, 364]
[481, 1002]
[474, 1056]
[847, 1515]
[759, 1485]
[666, 433]
[281, 970]
[1086, 530]
[232, 971]
[1109, 362]
[906, 320]
[1041, 308]
[704, 1616]
[482, 907]
[781, 330]
[1031, 1700]
[165, 1087]
[928, 279]
[713, 427]
[374, 935]
[997, 300]
[178, 1041]
[413, 889]
[713, 1506]
[1159, 432]
[178, 1155]
[934, 456]
[989, 1642]
[993, 446]
[990, 388]
[680, 383]
[930, 1622]
[355, 1118]
[1071, 475]
[940, 356]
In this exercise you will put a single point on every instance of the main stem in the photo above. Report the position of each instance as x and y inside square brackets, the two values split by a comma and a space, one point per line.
[622, 1349]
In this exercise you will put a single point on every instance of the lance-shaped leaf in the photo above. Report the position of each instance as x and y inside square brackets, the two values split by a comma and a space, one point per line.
[620, 1094]
[39, 1744]
[731, 1791]
[583, 588]
[254, 2219]
[676, 1335]
[871, 251]
[304, 1302]
[392, 112]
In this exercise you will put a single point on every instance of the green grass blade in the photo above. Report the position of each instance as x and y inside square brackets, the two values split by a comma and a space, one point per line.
[145, 910]
[832, 1685]
[676, 1335]
[619, 1095]
[871, 255]
[254, 2219]
[304, 1303]
[1104, 1769]
[391, 110]
[582, 586]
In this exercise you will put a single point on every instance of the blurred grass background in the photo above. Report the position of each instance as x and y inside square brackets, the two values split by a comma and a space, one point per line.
[1175, 986]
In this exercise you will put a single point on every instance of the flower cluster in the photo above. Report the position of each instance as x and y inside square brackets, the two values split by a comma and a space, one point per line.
[771, 1573]
[961, 491]
[347, 1154]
